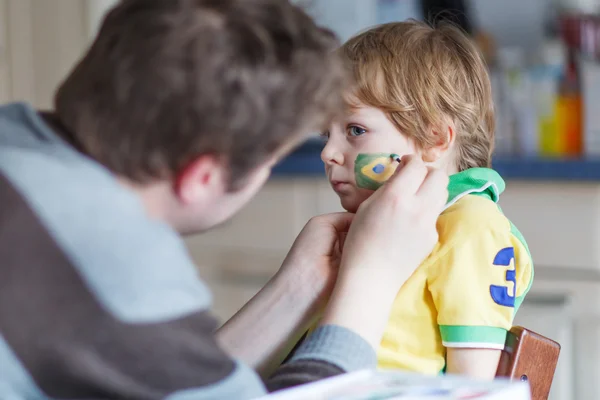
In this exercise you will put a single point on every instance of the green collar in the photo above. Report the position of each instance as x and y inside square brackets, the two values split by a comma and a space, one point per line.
[478, 181]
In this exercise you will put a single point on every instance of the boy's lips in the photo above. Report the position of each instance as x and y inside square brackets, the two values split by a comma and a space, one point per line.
[341, 186]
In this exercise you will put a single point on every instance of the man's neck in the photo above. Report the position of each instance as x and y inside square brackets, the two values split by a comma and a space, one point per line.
[51, 119]
[155, 196]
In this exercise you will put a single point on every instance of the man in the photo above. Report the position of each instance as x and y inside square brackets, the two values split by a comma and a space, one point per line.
[169, 124]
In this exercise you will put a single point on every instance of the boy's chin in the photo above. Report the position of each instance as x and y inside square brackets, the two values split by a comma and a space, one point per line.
[350, 204]
[351, 201]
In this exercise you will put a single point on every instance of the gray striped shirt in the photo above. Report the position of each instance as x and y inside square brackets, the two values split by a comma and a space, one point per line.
[99, 301]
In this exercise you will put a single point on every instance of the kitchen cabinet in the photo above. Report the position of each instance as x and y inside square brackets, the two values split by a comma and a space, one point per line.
[39, 43]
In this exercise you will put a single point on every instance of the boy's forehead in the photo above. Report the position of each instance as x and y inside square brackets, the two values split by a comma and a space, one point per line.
[353, 105]
[358, 108]
[363, 113]
[351, 111]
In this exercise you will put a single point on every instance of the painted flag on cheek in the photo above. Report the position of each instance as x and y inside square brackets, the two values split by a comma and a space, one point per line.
[372, 170]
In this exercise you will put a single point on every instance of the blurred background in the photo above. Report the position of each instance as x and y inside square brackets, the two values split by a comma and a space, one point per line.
[543, 60]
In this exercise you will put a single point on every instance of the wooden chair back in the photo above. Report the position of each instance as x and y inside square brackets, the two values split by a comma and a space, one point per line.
[529, 356]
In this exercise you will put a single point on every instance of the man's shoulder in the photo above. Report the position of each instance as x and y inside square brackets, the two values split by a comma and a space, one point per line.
[137, 267]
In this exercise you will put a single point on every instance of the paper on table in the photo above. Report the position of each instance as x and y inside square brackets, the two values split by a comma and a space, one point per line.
[380, 385]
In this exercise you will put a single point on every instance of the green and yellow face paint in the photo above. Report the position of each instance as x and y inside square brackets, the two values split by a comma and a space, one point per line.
[373, 169]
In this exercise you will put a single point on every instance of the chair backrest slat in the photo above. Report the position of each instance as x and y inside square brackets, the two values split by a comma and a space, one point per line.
[532, 357]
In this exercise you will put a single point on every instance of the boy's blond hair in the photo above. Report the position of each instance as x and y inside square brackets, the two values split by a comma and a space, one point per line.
[422, 76]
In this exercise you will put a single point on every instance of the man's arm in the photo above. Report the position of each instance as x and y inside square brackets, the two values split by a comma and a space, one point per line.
[267, 328]
[330, 350]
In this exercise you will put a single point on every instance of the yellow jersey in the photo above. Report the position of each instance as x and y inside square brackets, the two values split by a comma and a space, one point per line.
[466, 293]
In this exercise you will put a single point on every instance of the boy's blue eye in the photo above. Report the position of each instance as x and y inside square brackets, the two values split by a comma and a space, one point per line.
[324, 136]
[356, 130]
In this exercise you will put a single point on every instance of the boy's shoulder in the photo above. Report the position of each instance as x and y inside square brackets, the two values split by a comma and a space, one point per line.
[473, 232]
[471, 214]
[477, 222]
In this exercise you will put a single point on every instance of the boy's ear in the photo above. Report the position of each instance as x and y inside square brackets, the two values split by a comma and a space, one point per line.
[444, 139]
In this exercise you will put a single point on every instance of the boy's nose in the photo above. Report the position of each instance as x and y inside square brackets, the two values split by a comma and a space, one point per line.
[331, 155]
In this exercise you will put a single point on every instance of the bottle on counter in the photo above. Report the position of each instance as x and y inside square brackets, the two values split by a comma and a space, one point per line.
[569, 109]
[517, 131]
[546, 76]
[587, 28]
[504, 144]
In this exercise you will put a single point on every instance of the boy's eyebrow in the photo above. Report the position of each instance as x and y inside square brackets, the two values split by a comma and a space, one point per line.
[348, 112]
[352, 109]
[355, 111]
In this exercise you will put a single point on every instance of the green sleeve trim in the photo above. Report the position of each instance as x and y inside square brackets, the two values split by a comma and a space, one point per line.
[473, 336]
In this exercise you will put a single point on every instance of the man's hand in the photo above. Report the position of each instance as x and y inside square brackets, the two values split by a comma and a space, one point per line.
[395, 229]
[264, 331]
[314, 259]
[391, 234]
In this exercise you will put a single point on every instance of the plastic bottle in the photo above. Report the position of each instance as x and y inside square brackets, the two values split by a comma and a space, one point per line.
[569, 109]
[517, 110]
[504, 79]
[589, 69]
[545, 79]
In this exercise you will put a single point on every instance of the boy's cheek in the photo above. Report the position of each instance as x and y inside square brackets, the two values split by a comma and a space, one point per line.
[363, 194]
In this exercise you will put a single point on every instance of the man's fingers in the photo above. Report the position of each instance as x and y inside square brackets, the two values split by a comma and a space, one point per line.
[341, 221]
[342, 240]
[408, 177]
[434, 189]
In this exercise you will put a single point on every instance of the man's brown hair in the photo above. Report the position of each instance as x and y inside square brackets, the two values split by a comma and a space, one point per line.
[168, 80]
[421, 76]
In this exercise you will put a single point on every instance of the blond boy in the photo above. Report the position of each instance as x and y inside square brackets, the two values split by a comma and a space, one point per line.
[426, 91]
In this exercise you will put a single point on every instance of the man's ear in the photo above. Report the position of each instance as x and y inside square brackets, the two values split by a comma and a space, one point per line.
[444, 139]
[205, 176]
